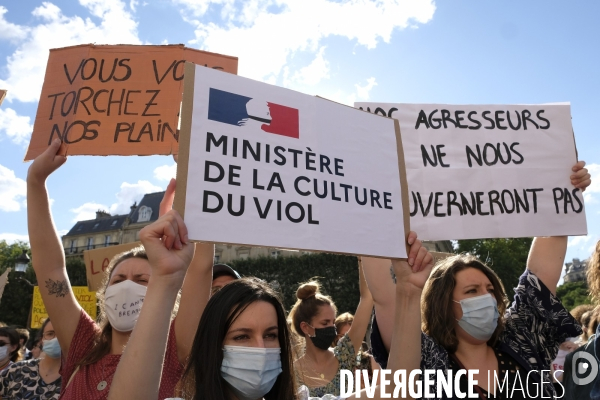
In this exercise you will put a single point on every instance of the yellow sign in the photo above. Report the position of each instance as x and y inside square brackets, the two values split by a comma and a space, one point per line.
[85, 298]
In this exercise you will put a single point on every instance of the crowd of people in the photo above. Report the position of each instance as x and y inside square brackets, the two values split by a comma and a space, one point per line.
[205, 332]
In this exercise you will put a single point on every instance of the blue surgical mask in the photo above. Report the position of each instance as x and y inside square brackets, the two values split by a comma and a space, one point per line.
[250, 372]
[51, 348]
[480, 316]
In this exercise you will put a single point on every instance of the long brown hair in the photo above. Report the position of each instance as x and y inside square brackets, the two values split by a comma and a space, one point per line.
[437, 312]
[307, 306]
[103, 339]
[202, 377]
[593, 273]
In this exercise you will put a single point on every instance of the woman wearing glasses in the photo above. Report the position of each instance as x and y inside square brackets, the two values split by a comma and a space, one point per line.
[37, 378]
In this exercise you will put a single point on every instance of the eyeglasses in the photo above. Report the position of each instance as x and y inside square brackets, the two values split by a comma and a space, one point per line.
[49, 335]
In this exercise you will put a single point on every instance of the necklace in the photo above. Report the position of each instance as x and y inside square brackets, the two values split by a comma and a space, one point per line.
[321, 375]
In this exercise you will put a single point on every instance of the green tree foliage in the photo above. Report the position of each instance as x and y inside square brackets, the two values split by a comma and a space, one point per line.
[573, 294]
[338, 275]
[15, 304]
[507, 257]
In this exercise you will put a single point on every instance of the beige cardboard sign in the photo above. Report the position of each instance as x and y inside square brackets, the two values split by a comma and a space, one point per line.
[266, 166]
[115, 99]
[97, 260]
[2, 95]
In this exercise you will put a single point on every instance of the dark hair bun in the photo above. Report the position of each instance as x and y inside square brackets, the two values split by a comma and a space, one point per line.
[307, 290]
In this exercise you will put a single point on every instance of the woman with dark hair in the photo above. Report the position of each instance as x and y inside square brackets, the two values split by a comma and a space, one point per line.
[92, 351]
[9, 347]
[242, 347]
[241, 350]
[36, 378]
[313, 318]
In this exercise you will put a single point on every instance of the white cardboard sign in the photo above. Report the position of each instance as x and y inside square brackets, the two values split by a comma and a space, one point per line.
[268, 166]
[488, 171]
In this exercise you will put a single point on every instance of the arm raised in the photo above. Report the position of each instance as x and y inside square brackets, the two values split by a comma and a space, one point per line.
[363, 311]
[196, 286]
[547, 254]
[139, 371]
[47, 253]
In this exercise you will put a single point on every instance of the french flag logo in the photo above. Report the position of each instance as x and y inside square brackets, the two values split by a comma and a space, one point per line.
[235, 109]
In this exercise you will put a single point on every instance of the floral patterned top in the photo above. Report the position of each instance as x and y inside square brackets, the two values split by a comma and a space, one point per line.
[344, 352]
[536, 323]
[22, 380]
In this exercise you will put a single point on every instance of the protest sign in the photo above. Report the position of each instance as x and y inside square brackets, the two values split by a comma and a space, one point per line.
[97, 260]
[266, 166]
[85, 298]
[115, 100]
[488, 171]
[2, 96]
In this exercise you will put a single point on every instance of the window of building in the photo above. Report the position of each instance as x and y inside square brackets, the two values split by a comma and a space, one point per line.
[243, 256]
[72, 248]
[144, 214]
[275, 254]
[114, 223]
[96, 225]
[106, 240]
[90, 243]
[217, 259]
[79, 227]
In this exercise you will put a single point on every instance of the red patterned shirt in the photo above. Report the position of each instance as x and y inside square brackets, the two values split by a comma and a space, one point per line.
[84, 384]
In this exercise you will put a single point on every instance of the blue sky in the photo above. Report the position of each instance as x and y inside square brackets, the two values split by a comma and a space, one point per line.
[416, 51]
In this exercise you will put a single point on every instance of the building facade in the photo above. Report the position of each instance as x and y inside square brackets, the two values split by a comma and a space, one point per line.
[575, 270]
[108, 230]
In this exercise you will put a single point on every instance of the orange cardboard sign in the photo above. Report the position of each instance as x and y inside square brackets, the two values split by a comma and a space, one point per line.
[115, 99]
[97, 260]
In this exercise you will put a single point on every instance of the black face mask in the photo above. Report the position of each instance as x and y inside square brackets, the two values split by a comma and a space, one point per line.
[323, 337]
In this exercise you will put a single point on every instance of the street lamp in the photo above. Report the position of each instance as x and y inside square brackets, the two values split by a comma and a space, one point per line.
[22, 262]
[21, 265]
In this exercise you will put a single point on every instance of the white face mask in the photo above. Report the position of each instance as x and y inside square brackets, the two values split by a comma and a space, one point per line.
[4, 351]
[250, 372]
[480, 316]
[122, 304]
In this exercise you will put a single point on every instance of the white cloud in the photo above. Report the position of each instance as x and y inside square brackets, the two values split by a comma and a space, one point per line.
[313, 73]
[27, 65]
[362, 92]
[165, 172]
[12, 190]
[13, 237]
[577, 241]
[87, 211]
[16, 127]
[266, 34]
[129, 193]
[590, 194]
[9, 31]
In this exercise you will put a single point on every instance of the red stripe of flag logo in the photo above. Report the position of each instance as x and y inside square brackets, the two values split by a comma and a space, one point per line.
[235, 109]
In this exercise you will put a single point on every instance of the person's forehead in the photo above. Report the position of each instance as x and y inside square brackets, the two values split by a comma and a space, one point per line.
[258, 316]
[471, 276]
[133, 266]
[48, 327]
[325, 311]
